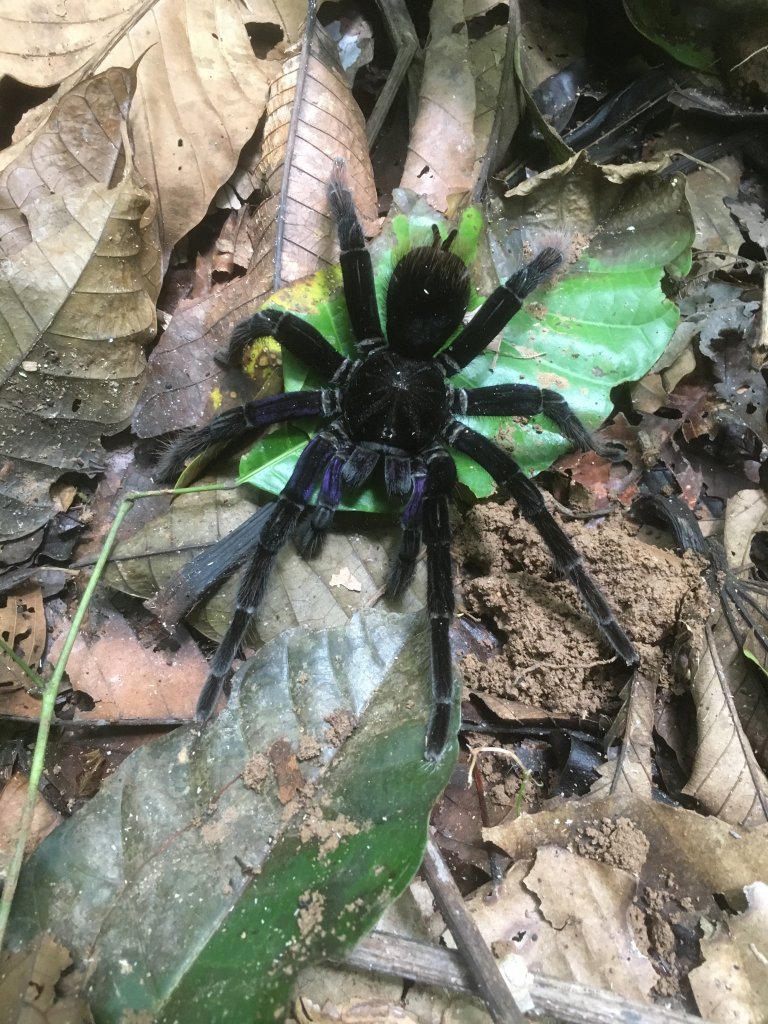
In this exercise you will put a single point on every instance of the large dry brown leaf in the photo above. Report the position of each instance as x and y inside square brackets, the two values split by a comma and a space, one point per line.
[201, 90]
[732, 984]
[441, 162]
[729, 691]
[568, 917]
[319, 593]
[688, 856]
[291, 231]
[77, 296]
[80, 144]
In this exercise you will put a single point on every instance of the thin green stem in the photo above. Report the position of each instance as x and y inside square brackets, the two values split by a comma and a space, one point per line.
[51, 689]
[9, 652]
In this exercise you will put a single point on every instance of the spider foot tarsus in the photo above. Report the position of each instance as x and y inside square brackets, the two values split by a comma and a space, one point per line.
[260, 325]
[228, 426]
[312, 532]
[614, 451]
[403, 567]
[343, 209]
[528, 278]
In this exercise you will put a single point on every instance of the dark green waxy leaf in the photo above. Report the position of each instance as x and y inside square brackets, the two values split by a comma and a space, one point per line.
[603, 319]
[212, 864]
[698, 34]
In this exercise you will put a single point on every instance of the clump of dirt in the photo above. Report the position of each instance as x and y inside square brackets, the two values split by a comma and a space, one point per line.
[618, 842]
[553, 657]
[256, 772]
[341, 725]
[328, 833]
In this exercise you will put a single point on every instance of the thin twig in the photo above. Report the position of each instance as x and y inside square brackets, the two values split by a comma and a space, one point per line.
[396, 957]
[484, 969]
[562, 666]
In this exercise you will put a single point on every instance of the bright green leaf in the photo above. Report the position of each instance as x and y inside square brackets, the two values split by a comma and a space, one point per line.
[602, 321]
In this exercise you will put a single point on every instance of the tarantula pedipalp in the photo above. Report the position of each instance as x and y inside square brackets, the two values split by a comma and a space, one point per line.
[394, 403]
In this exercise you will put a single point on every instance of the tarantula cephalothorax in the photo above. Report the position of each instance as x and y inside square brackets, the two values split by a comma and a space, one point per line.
[395, 403]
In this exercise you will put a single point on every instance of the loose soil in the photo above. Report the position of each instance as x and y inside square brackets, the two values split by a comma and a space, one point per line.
[552, 657]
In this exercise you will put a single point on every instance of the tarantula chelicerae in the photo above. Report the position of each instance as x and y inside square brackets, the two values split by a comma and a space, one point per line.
[395, 402]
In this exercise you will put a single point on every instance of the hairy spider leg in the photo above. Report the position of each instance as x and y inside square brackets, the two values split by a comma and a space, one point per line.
[214, 563]
[506, 472]
[234, 424]
[275, 531]
[313, 530]
[497, 310]
[300, 338]
[356, 265]
[528, 400]
[440, 481]
[404, 563]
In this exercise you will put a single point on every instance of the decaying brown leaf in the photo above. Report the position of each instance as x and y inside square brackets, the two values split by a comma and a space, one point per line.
[688, 859]
[568, 917]
[311, 118]
[120, 679]
[726, 778]
[22, 626]
[29, 982]
[201, 89]
[77, 293]
[12, 800]
[732, 983]
[441, 160]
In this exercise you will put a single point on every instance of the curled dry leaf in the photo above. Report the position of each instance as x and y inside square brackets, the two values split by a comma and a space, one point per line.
[201, 90]
[726, 777]
[291, 234]
[630, 772]
[22, 626]
[78, 296]
[441, 159]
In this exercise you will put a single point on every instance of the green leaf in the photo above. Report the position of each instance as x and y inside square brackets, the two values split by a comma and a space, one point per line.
[198, 879]
[602, 321]
[698, 34]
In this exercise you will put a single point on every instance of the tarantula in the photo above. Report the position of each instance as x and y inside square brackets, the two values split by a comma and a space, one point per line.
[395, 403]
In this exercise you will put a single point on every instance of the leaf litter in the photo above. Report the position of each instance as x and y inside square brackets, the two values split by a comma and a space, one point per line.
[552, 656]
[556, 668]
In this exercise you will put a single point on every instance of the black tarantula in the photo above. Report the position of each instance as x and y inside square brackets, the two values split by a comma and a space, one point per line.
[395, 402]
